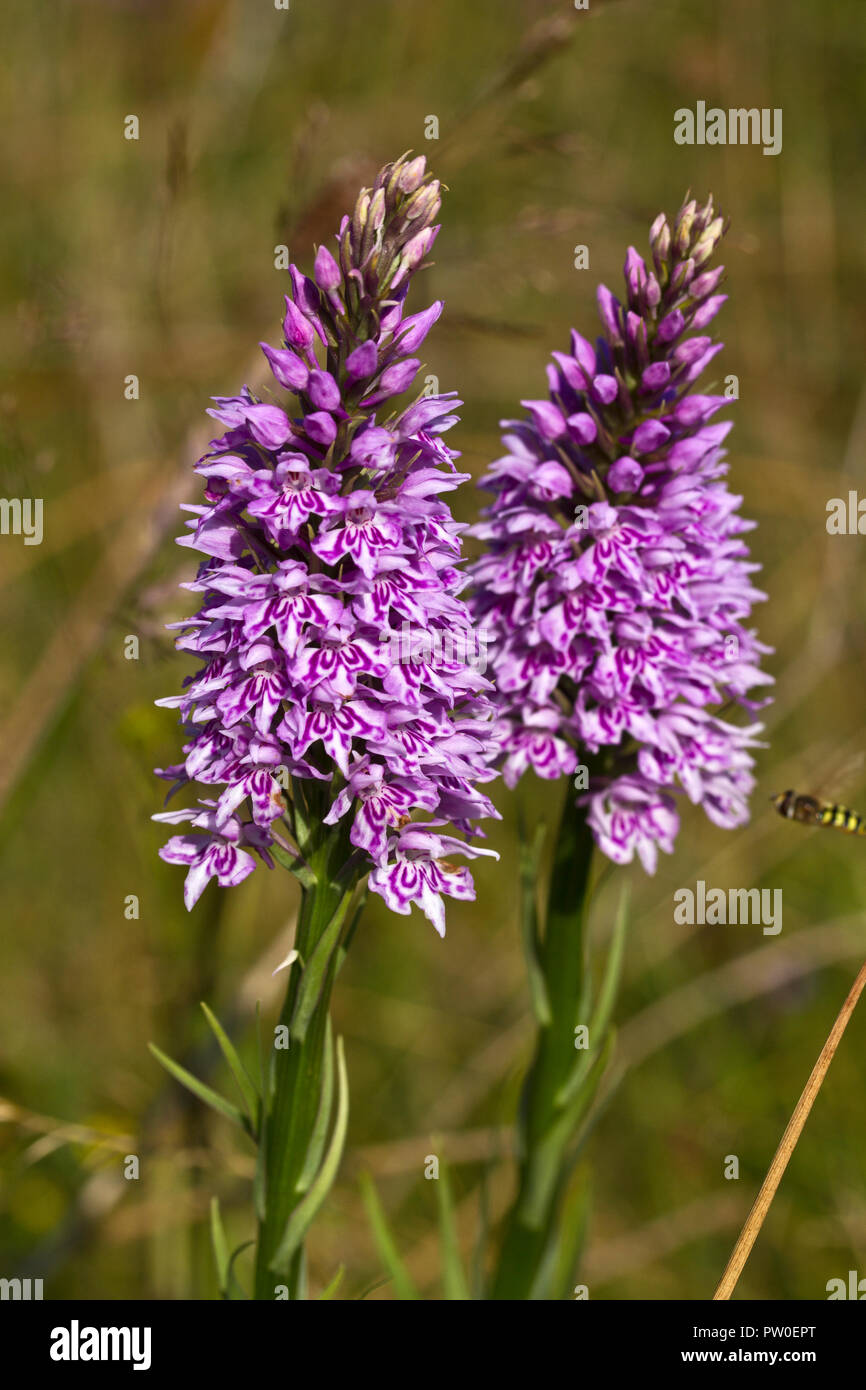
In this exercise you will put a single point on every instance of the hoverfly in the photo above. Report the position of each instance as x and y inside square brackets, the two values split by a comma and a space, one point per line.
[810, 811]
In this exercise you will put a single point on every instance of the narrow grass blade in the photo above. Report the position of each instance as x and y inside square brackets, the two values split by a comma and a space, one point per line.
[479, 1253]
[371, 1288]
[203, 1092]
[454, 1282]
[220, 1246]
[246, 1085]
[329, 1292]
[385, 1244]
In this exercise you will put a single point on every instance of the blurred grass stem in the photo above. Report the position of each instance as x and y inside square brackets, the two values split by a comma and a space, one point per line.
[755, 1219]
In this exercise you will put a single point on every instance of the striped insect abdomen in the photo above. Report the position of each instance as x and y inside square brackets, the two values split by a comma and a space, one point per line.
[842, 819]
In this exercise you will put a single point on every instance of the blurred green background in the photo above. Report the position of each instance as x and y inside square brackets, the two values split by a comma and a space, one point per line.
[155, 257]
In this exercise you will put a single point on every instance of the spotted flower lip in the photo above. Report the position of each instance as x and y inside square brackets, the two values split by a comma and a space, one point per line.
[214, 848]
[323, 530]
[419, 873]
[286, 497]
[615, 584]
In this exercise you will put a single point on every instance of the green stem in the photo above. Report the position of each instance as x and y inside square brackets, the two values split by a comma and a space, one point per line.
[296, 1083]
[543, 1130]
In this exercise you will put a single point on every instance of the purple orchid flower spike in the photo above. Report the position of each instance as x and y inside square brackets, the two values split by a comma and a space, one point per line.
[325, 532]
[616, 583]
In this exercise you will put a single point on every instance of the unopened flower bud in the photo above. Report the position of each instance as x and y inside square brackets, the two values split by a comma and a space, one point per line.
[326, 271]
[362, 362]
[298, 332]
[412, 174]
[683, 228]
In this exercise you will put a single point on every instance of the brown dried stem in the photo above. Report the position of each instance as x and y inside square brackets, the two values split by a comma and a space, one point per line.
[755, 1219]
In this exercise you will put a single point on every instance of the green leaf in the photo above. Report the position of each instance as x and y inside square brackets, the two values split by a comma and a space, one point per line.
[246, 1085]
[203, 1092]
[454, 1282]
[260, 1050]
[612, 970]
[295, 863]
[569, 1237]
[303, 1214]
[599, 1104]
[569, 880]
[231, 1277]
[385, 1244]
[529, 862]
[260, 1176]
[328, 1292]
[314, 972]
[550, 1150]
[220, 1246]
[580, 1103]
[302, 817]
[319, 1135]
[601, 1015]
[559, 1261]
[355, 918]
[580, 1071]
[584, 1002]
